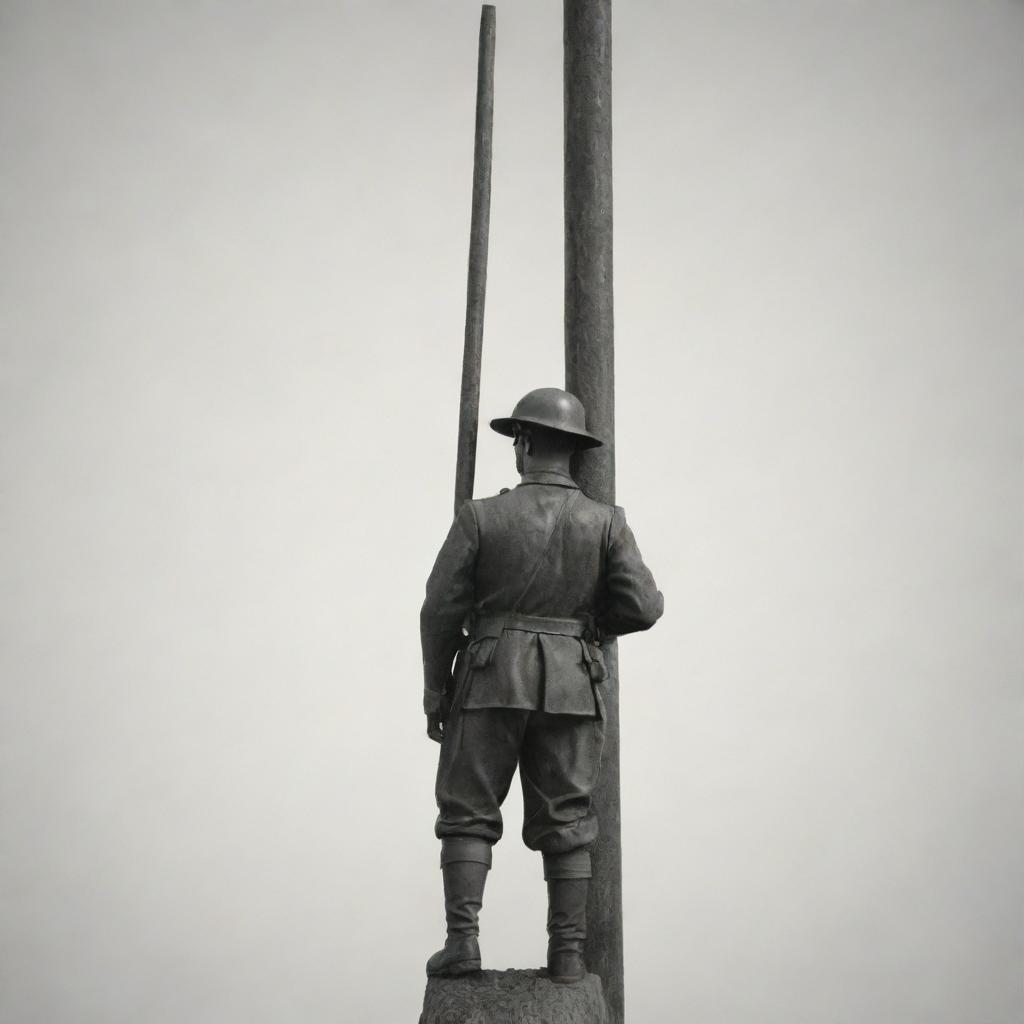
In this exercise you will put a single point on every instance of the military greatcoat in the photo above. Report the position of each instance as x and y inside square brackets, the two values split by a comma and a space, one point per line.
[524, 589]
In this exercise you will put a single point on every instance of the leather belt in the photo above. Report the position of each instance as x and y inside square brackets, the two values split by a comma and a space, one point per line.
[494, 625]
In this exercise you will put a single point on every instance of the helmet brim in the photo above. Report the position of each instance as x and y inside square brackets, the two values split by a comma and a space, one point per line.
[506, 425]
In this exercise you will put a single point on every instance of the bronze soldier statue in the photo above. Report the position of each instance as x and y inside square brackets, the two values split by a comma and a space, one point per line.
[525, 588]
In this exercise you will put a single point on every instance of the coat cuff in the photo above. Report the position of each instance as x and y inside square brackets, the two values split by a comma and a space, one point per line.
[431, 701]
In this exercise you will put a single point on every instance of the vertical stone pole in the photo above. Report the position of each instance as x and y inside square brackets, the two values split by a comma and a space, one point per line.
[590, 375]
[476, 287]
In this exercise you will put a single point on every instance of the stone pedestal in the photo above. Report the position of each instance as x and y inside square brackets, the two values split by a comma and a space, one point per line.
[513, 997]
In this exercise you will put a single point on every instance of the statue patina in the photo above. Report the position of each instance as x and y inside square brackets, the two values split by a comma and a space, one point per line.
[526, 587]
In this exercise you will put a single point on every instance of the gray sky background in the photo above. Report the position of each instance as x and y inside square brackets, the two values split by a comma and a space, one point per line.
[233, 281]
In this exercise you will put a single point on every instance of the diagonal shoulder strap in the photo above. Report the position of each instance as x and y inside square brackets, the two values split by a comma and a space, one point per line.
[566, 505]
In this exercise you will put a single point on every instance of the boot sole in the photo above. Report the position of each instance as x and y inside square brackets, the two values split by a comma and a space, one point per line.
[456, 970]
[563, 979]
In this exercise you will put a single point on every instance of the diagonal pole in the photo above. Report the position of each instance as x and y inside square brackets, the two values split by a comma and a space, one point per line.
[476, 286]
[590, 375]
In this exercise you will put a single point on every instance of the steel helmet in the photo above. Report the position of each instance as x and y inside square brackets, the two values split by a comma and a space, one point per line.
[552, 408]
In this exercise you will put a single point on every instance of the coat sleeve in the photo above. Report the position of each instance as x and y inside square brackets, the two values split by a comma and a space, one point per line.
[449, 600]
[632, 600]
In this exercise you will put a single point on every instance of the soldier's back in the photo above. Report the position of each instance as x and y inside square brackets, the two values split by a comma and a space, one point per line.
[557, 531]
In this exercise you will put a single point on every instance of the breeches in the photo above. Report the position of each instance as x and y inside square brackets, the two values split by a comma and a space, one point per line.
[559, 758]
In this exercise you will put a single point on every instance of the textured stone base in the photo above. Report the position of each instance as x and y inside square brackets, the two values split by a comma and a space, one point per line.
[513, 997]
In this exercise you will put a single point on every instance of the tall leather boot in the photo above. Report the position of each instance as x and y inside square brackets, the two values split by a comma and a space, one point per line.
[568, 878]
[464, 866]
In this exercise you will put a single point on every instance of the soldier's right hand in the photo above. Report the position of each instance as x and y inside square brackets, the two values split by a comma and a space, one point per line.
[435, 728]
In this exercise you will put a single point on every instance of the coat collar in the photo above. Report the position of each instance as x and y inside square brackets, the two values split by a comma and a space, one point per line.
[549, 477]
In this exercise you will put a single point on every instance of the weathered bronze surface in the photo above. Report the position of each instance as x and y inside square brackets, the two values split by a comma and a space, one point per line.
[526, 593]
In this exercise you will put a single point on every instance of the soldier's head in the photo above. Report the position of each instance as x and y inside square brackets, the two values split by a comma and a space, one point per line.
[548, 425]
[541, 445]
